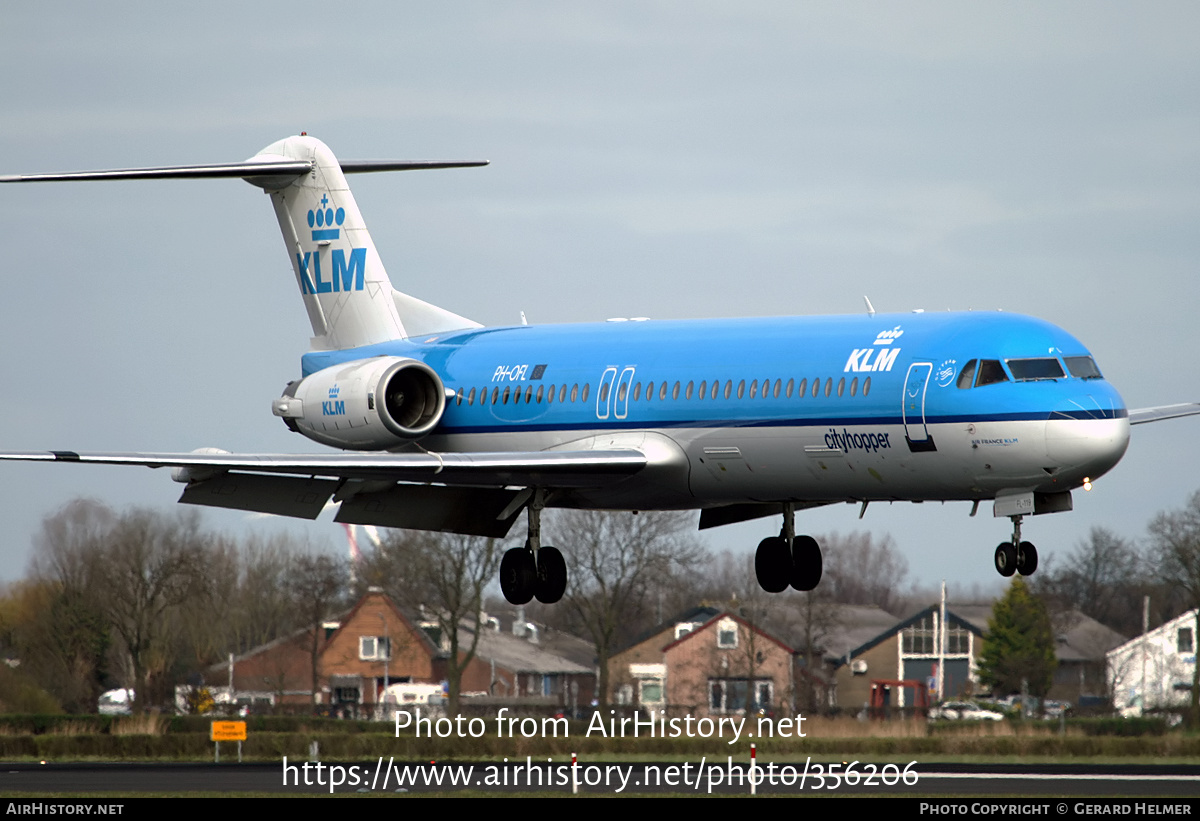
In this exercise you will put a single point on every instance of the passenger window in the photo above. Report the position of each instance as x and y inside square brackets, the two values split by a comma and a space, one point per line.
[828, 385]
[495, 396]
[854, 386]
[741, 389]
[675, 391]
[604, 392]
[778, 388]
[662, 391]
[704, 389]
[728, 388]
[507, 393]
[866, 386]
[649, 391]
[637, 391]
[816, 387]
[587, 388]
[575, 392]
[458, 399]
[788, 390]
[550, 396]
[471, 397]
[966, 375]
[841, 386]
[803, 389]
[621, 391]
[991, 372]
[562, 393]
[754, 389]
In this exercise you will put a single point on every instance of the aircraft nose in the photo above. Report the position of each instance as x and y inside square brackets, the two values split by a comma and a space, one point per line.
[1087, 435]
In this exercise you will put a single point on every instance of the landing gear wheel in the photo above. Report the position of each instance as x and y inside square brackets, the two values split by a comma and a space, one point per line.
[806, 563]
[773, 564]
[518, 576]
[551, 575]
[1006, 559]
[1027, 559]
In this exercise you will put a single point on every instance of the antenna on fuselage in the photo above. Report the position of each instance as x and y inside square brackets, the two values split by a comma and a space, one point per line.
[870, 307]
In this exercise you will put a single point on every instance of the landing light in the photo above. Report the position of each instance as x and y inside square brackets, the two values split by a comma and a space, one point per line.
[1087, 483]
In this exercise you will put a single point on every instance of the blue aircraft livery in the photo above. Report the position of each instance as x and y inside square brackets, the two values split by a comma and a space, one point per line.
[441, 424]
[346, 276]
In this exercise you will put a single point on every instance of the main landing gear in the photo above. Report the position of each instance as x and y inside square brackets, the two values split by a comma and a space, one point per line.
[1016, 556]
[533, 571]
[788, 559]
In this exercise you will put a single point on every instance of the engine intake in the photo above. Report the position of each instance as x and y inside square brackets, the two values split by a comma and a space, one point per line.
[371, 404]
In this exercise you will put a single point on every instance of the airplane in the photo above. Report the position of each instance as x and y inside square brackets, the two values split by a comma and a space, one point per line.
[443, 424]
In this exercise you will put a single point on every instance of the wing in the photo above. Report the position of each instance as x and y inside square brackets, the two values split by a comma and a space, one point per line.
[475, 493]
[1142, 415]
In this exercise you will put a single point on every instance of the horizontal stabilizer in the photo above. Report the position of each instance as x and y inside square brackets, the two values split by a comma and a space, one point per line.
[243, 170]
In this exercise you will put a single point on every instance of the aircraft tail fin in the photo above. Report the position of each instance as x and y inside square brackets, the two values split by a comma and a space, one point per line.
[346, 290]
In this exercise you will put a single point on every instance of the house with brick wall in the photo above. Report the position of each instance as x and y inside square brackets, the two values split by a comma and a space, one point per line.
[705, 662]
[377, 644]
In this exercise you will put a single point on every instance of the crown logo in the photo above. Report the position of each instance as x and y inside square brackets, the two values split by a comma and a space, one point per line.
[888, 337]
[334, 391]
[322, 220]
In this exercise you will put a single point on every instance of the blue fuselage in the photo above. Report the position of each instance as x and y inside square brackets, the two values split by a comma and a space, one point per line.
[885, 407]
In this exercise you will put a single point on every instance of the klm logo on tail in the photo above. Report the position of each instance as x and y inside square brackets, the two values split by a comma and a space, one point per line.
[322, 220]
[347, 274]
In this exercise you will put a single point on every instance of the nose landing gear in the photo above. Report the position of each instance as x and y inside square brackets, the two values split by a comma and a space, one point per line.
[1016, 556]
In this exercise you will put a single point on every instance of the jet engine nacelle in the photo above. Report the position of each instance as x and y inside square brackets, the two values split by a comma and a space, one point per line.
[371, 404]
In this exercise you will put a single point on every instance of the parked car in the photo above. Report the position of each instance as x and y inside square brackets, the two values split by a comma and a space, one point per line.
[116, 702]
[964, 711]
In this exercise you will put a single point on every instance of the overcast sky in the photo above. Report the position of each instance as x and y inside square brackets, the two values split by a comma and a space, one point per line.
[648, 159]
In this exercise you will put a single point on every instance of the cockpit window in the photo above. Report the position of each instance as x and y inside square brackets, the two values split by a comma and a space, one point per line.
[967, 374]
[1028, 370]
[1082, 367]
[990, 372]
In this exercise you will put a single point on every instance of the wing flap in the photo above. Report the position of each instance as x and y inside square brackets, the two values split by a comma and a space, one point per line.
[281, 495]
[469, 511]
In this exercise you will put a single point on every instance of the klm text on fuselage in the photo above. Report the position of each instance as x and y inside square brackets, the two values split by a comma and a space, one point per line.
[346, 275]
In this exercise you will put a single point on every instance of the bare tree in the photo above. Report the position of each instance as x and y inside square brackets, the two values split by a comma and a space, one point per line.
[1102, 578]
[317, 586]
[150, 564]
[1176, 537]
[62, 636]
[863, 569]
[616, 562]
[120, 577]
